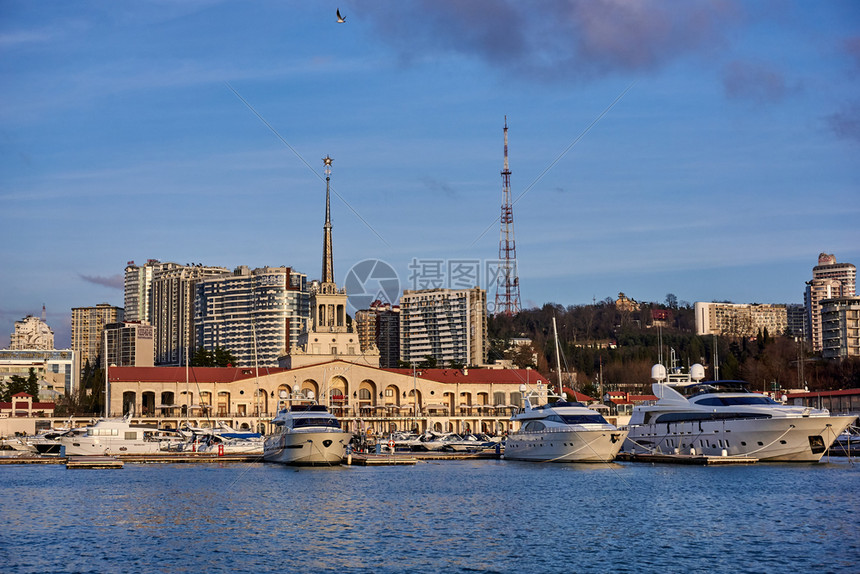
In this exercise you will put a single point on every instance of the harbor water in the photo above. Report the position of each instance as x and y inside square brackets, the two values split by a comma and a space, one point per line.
[446, 516]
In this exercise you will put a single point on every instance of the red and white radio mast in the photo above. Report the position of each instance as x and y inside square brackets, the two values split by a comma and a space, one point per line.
[508, 283]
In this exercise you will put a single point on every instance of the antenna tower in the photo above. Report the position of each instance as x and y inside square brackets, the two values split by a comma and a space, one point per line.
[508, 285]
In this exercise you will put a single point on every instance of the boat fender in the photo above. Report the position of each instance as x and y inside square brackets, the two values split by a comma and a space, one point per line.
[692, 452]
[724, 452]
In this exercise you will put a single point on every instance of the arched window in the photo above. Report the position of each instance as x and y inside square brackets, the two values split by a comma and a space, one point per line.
[364, 394]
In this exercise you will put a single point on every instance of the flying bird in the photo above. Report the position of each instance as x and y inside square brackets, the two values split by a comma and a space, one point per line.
[340, 19]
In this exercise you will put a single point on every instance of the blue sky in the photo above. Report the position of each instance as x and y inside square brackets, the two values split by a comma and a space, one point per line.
[727, 166]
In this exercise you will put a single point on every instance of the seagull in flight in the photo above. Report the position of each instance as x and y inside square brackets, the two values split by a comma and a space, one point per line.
[340, 19]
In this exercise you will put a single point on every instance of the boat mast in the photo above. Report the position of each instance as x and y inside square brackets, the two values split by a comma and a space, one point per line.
[557, 359]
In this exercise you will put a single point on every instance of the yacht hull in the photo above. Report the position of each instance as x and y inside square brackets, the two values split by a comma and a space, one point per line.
[307, 448]
[98, 446]
[789, 439]
[565, 445]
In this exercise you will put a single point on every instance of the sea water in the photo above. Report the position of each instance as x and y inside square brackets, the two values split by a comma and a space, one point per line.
[446, 516]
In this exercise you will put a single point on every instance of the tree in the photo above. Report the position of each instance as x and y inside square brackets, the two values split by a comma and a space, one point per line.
[220, 357]
[18, 384]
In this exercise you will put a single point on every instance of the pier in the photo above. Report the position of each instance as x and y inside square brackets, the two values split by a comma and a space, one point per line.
[699, 459]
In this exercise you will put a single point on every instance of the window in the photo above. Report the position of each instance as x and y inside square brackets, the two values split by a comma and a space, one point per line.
[389, 392]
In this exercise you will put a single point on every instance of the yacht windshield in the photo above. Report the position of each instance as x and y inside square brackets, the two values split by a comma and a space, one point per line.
[315, 422]
[732, 401]
[577, 419]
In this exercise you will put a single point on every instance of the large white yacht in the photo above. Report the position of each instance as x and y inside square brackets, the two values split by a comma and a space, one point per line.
[716, 418]
[562, 432]
[305, 434]
[117, 437]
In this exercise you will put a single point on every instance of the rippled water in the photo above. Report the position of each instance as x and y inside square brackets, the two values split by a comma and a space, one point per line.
[468, 516]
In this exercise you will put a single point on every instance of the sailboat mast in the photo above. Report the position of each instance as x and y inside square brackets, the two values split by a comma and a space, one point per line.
[557, 357]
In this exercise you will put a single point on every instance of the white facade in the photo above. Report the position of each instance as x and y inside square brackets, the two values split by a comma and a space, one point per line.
[258, 313]
[740, 319]
[31, 333]
[138, 288]
[840, 327]
[829, 280]
[449, 325]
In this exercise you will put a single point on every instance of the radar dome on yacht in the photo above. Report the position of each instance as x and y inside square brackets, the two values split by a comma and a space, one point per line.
[658, 372]
[523, 388]
[283, 394]
[310, 395]
[697, 372]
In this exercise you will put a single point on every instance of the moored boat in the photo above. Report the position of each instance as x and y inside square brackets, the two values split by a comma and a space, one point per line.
[725, 418]
[305, 434]
[562, 432]
[117, 437]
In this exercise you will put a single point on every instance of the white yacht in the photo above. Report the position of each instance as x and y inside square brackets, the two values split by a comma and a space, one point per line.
[720, 418]
[305, 434]
[562, 432]
[117, 437]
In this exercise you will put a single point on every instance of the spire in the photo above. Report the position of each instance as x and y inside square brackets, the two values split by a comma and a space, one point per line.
[328, 257]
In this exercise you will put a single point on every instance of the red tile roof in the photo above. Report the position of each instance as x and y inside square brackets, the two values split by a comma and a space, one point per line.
[521, 376]
[195, 374]
[840, 393]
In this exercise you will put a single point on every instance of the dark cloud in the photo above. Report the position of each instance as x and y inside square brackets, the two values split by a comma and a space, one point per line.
[556, 39]
[114, 281]
[846, 122]
[758, 82]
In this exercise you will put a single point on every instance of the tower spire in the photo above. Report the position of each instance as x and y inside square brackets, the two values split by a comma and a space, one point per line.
[508, 285]
[328, 257]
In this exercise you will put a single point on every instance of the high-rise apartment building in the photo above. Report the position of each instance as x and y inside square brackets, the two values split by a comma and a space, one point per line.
[172, 311]
[257, 313]
[138, 288]
[830, 280]
[449, 325]
[840, 327]
[740, 319]
[31, 333]
[129, 344]
[88, 324]
[379, 327]
[796, 317]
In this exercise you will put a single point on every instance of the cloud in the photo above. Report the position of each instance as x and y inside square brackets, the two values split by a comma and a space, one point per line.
[846, 122]
[14, 39]
[114, 281]
[758, 82]
[555, 39]
[852, 49]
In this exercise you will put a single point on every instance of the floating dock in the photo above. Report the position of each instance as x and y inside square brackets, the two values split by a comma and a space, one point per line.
[378, 460]
[699, 459]
[93, 462]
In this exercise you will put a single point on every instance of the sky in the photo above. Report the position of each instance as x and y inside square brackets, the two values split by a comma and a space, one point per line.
[707, 149]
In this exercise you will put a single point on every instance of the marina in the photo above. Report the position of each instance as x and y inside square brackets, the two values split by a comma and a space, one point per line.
[456, 516]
